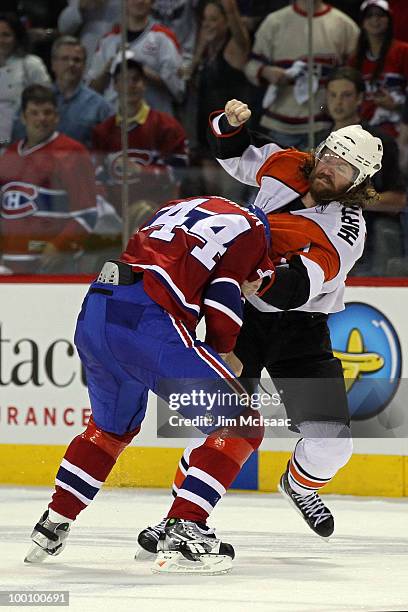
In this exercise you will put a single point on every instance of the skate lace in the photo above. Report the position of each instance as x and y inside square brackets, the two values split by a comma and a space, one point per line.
[313, 506]
[157, 529]
[205, 530]
[195, 536]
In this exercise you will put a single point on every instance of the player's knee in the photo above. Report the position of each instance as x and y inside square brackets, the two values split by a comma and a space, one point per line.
[251, 427]
[327, 442]
[341, 450]
[112, 444]
[248, 425]
[240, 440]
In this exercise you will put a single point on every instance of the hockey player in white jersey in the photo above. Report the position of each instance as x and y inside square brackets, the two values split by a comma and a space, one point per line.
[314, 206]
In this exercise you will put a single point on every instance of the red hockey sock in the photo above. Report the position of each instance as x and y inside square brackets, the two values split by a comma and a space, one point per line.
[86, 465]
[213, 467]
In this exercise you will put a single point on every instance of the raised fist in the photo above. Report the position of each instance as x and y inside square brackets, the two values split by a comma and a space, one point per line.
[237, 112]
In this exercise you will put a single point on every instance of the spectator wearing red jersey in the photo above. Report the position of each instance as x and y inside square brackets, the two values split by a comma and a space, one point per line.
[383, 62]
[157, 150]
[48, 199]
[400, 15]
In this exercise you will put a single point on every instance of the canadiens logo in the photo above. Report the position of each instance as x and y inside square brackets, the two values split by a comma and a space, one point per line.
[18, 200]
[137, 158]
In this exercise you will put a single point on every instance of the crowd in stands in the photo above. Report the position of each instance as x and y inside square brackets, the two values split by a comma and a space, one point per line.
[64, 100]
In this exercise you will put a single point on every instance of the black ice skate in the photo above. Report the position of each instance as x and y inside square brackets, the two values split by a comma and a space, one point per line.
[183, 548]
[48, 538]
[149, 537]
[316, 514]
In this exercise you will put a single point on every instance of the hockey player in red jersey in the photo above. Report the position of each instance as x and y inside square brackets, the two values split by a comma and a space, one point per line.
[48, 195]
[135, 332]
[314, 209]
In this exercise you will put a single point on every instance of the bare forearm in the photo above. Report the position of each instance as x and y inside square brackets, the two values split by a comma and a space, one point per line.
[238, 29]
[101, 82]
[392, 202]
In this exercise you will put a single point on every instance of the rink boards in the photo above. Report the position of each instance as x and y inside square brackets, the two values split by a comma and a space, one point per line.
[44, 403]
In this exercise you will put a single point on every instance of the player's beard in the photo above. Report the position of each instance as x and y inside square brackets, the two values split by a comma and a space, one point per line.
[323, 191]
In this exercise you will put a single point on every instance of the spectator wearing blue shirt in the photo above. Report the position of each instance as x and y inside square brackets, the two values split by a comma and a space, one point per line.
[80, 108]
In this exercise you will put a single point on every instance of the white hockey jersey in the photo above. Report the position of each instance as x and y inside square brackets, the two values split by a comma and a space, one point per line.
[156, 48]
[328, 239]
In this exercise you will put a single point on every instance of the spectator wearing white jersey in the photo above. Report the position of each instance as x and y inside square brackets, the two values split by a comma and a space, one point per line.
[154, 46]
[181, 16]
[279, 61]
[18, 69]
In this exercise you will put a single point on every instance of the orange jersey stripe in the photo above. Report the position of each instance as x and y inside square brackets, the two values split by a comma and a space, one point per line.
[297, 235]
[285, 166]
[179, 478]
[304, 481]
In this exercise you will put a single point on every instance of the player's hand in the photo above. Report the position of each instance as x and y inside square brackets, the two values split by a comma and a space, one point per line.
[237, 112]
[249, 288]
[233, 362]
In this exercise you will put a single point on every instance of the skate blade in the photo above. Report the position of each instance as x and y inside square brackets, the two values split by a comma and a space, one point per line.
[144, 555]
[174, 562]
[36, 554]
[287, 498]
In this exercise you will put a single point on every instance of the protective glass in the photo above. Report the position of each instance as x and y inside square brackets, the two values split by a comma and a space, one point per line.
[337, 164]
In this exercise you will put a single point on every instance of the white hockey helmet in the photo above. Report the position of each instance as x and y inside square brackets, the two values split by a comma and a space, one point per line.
[358, 147]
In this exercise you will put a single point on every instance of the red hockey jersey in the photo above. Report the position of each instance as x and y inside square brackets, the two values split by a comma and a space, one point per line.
[393, 79]
[47, 195]
[195, 255]
[157, 149]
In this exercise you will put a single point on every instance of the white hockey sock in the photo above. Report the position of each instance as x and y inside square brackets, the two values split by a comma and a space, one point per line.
[316, 460]
[54, 517]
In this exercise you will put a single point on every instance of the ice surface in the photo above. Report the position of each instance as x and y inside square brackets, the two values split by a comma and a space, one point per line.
[280, 565]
